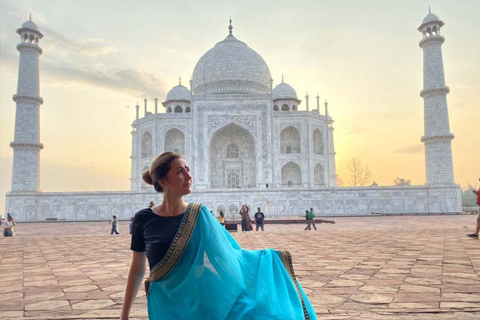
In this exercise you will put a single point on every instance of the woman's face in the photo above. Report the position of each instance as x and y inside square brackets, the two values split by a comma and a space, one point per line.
[179, 180]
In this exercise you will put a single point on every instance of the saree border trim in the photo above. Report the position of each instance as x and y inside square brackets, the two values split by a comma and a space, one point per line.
[288, 264]
[179, 243]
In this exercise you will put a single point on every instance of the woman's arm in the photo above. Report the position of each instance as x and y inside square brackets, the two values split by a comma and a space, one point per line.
[135, 277]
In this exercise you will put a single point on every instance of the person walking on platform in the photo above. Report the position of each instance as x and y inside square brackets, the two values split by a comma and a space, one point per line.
[311, 221]
[477, 229]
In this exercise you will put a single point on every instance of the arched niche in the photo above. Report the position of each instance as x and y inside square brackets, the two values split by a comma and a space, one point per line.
[291, 175]
[319, 175]
[175, 141]
[232, 158]
[318, 143]
[147, 145]
[290, 140]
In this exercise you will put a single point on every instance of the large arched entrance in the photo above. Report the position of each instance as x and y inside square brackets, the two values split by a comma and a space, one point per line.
[232, 158]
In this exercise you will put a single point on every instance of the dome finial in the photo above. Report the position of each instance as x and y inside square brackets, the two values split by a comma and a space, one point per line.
[230, 27]
[282, 77]
[179, 79]
[30, 16]
[429, 11]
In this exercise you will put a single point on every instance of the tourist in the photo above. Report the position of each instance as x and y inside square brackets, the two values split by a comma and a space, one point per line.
[114, 223]
[306, 218]
[311, 220]
[131, 224]
[259, 218]
[9, 226]
[221, 218]
[193, 259]
[477, 229]
[245, 218]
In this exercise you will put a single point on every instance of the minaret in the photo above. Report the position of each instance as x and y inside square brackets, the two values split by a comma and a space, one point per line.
[437, 138]
[145, 105]
[306, 100]
[26, 144]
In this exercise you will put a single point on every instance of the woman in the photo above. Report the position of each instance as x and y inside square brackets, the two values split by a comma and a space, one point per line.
[192, 259]
[8, 226]
[221, 218]
[245, 218]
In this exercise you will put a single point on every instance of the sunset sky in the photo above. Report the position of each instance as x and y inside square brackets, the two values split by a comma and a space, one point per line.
[363, 56]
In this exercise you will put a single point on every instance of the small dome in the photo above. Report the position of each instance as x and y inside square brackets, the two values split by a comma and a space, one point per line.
[284, 91]
[179, 93]
[29, 24]
[430, 18]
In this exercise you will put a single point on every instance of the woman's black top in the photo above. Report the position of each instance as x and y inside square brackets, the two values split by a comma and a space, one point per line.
[153, 234]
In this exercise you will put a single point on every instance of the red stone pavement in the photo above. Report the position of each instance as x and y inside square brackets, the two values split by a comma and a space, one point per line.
[395, 268]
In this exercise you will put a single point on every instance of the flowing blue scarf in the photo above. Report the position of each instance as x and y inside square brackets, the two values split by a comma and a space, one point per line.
[205, 275]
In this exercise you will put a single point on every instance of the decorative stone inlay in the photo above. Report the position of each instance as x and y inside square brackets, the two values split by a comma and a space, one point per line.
[447, 137]
[180, 127]
[229, 86]
[284, 125]
[213, 122]
[430, 40]
[431, 92]
[28, 98]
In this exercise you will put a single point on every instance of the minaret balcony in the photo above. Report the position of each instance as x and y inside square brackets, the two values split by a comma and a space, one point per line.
[28, 98]
[434, 92]
[439, 138]
[431, 40]
[26, 145]
[26, 46]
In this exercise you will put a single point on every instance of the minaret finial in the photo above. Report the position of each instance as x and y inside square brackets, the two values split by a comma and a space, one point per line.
[179, 79]
[282, 77]
[230, 27]
[429, 10]
[30, 16]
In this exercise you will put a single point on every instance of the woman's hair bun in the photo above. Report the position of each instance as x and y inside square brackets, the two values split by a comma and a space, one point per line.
[146, 177]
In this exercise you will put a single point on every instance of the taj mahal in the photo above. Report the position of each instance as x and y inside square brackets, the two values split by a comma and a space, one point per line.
[245, 139]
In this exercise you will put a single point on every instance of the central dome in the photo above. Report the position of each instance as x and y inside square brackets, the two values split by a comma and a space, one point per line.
[231, 67]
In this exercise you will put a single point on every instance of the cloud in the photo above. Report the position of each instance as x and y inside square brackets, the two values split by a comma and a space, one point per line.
[128, 80]
[74, 61]
[417, 148]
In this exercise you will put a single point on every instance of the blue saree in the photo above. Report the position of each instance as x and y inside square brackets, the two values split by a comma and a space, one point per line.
[206, 275]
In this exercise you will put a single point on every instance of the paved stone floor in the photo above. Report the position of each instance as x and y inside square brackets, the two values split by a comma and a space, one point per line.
[420, 267]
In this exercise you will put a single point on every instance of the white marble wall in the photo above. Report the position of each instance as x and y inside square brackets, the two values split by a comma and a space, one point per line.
[363, 201]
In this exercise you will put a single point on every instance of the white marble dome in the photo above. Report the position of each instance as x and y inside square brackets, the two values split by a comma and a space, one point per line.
[178, 93]
[430, 18]
[284, 91]
[231, 67]
[29, 24]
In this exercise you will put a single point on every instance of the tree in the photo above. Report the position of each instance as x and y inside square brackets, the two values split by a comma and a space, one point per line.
[402, 182]
[359, 175]
[340, 182]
